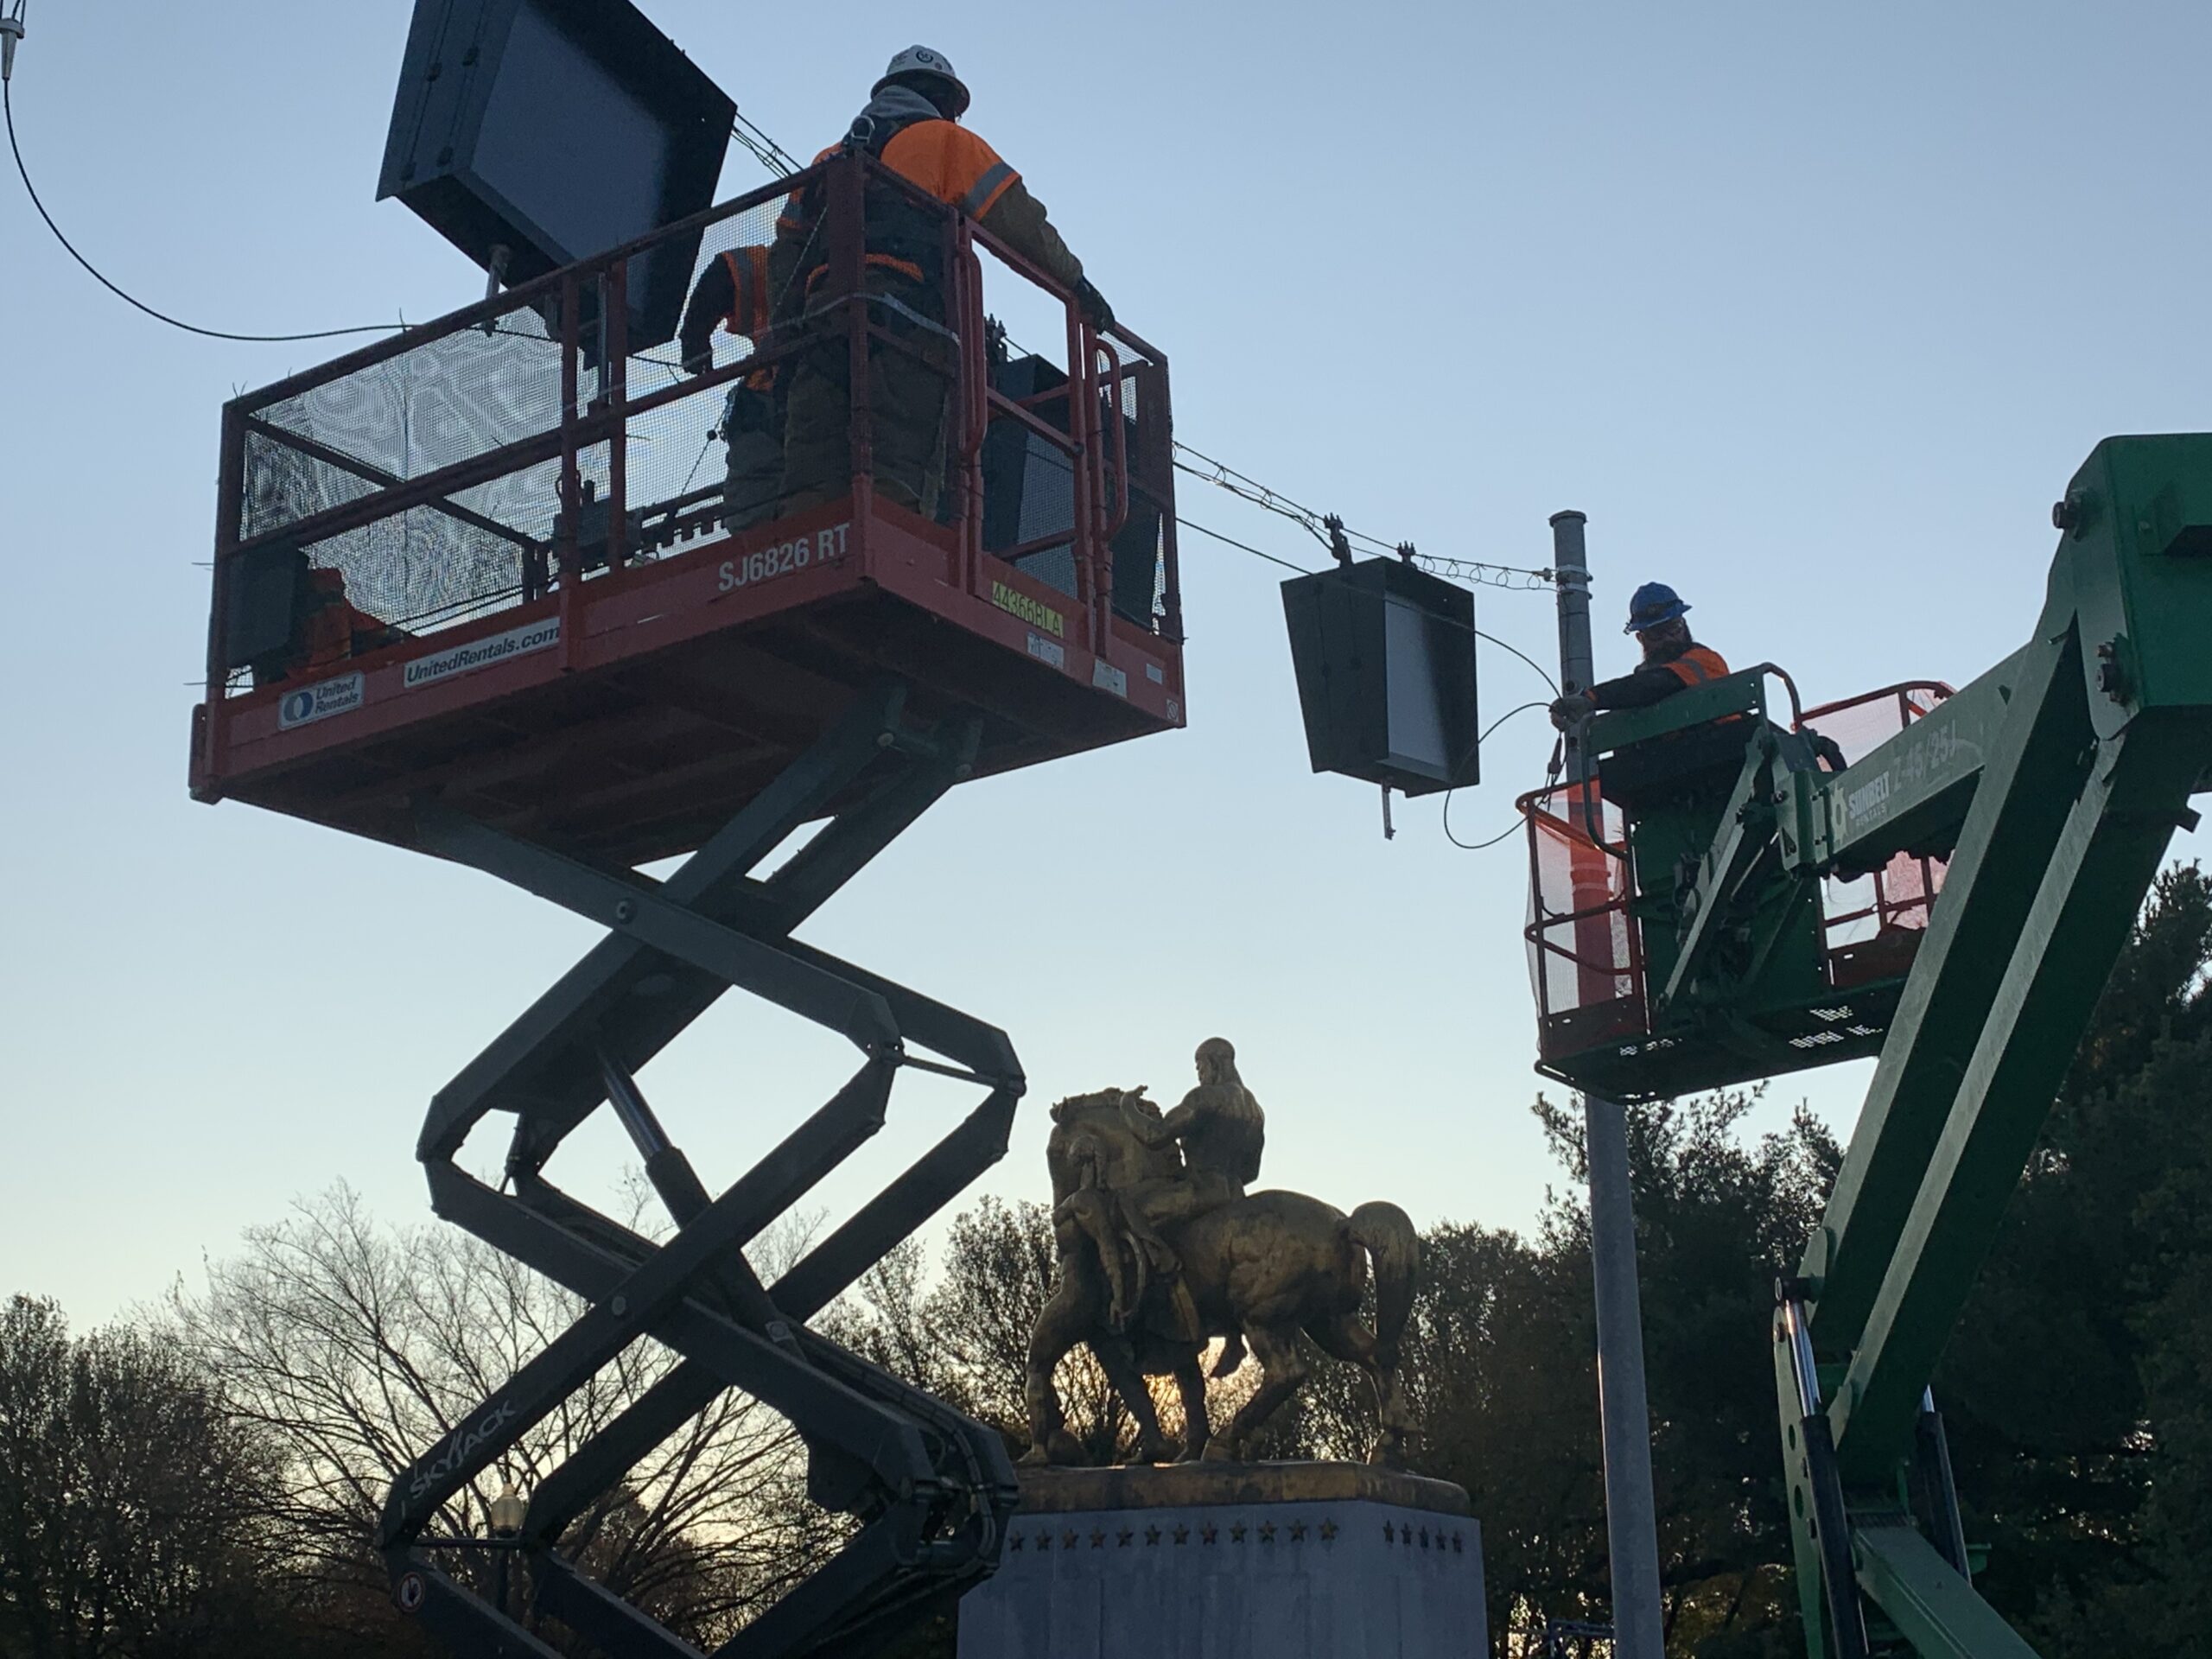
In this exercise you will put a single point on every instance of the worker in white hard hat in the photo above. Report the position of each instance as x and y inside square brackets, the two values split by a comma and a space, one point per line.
[911, 123]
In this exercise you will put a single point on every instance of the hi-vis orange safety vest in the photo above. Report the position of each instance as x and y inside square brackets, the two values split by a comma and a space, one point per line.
[748, 279]
[943, 159]
[336, 628]
[1697, 665]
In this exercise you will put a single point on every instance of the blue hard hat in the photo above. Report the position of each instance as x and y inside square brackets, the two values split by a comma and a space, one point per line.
[1655, 602]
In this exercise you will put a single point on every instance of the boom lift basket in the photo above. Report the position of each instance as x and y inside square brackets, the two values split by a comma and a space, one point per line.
[1613, 883]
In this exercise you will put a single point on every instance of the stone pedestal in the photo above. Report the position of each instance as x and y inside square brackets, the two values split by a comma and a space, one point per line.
[1215, 1560]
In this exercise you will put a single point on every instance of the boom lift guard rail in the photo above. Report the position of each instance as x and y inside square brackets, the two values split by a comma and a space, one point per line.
[553, 686]
[2048, 789]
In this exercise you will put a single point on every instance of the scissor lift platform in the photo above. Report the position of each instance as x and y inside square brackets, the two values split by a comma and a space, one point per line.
[443, 618]
[617, 678]
[630, 724]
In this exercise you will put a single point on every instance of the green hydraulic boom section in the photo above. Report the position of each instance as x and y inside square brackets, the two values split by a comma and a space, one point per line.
[2052, 785]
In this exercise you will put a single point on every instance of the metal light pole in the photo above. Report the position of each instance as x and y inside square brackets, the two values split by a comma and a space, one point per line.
[1632, 1528]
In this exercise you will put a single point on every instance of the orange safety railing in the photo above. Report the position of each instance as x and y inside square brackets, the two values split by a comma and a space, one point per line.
[519, 448]
[1586, 949]
[1585, 953]
[1869, 921]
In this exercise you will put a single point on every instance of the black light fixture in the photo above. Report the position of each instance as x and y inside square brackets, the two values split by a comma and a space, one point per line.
[1385, 656]
[534, 133]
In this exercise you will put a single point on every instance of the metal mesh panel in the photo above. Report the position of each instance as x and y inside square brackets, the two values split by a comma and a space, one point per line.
[457, 397]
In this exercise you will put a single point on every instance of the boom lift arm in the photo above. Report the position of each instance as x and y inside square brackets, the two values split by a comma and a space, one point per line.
[2051, 787]
[2066, 770]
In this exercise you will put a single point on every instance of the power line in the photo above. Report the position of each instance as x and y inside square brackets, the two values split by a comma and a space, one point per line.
[8, 103]
[1190, 524]
[1245, 488]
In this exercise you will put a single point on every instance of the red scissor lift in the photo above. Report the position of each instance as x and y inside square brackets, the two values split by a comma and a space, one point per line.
[1600, 1023]
[472, 596]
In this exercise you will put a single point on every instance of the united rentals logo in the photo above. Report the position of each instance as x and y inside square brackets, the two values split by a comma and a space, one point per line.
[462, 659]
[1035, 612]
[318, 701]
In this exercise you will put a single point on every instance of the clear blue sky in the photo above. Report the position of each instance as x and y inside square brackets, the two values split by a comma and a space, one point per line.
[1813, 310]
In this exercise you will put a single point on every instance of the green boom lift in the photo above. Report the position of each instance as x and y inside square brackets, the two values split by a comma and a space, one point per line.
[2048, 789]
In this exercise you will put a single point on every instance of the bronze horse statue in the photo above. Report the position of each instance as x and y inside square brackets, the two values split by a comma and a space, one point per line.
[1258, 1270]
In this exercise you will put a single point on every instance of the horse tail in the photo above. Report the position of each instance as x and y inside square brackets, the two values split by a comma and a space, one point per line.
[1387, 1234]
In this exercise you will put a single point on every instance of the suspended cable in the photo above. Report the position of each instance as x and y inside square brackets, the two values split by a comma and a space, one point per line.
[1542, 672]
[1246, 547]
[763, 150]
[8, 103]
[1245, 488]
[1478, 846]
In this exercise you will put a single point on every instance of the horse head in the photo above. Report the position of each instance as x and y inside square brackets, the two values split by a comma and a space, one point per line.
[1092, 1144]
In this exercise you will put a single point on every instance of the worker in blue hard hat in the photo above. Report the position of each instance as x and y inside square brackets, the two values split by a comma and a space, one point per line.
[1673, 661]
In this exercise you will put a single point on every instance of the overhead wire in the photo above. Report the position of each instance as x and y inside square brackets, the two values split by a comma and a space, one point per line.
[1478, 846]
[8, 105]
[763, 149]
[1245, 488]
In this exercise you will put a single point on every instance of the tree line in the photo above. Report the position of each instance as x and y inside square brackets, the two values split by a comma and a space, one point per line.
[203, 1478]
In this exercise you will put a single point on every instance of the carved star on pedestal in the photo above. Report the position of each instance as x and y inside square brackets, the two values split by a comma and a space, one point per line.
[1298, 1532]
[1208, 1534]
[1044, 1539]
[1015, 1542]
[1389, 1533]
[1067, 1539]
[1123, 1539]
[1267, 1532]
[1182, 1535]
[1328, 1530]
[1152, 1534]
[1098, 1539]
[1236, 1533]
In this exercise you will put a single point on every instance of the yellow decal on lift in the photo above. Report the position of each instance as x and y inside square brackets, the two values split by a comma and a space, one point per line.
[1035, 612]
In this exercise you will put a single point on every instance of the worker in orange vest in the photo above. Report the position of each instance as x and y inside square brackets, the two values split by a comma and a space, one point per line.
[732, 292]
[327, 627]
[1672, 660]
[911, 123]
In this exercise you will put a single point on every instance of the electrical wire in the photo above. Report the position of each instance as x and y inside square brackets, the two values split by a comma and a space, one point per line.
[1477, 845]
[1246, 547]
[1542, 673]
[764, 150]
[8, 105]
[1245, 488]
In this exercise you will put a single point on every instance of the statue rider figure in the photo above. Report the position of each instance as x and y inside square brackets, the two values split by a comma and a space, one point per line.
[1221, 1131]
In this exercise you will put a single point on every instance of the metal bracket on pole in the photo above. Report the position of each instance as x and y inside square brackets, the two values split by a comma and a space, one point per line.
[934, 1487]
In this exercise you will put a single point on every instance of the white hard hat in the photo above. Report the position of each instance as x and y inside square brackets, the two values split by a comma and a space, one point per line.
[923, 60]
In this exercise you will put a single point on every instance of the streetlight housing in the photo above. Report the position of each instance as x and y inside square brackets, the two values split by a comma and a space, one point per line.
[509, 1510]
